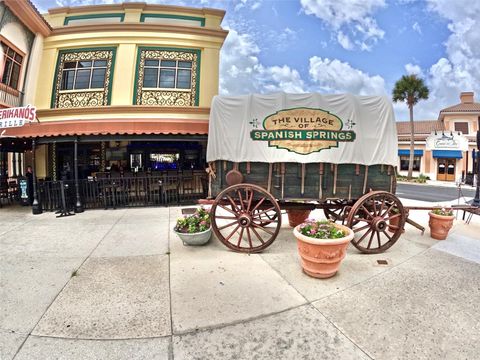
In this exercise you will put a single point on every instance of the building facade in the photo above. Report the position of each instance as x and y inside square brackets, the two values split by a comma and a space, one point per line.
[128, 86]
[444, 148]
[22, 31]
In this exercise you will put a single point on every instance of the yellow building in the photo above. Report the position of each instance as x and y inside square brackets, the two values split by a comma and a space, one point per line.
[443, 147]
[129, 84]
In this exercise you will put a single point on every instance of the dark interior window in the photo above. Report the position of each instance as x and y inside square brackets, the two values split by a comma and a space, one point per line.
[11, 67]
[167, 74]
[404, 163]
[77, 75]
[462, 126]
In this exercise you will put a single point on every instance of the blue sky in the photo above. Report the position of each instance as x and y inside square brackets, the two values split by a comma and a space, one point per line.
[336, 46]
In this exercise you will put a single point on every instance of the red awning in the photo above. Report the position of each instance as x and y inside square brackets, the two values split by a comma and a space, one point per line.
[110, 127]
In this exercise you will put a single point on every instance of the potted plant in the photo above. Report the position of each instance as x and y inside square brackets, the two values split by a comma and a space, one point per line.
[394, 221]
[322, 245]
[441, 221]
[194, 229]
[297, 216]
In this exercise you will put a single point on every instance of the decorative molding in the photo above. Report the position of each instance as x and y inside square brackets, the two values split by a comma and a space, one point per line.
[9, 16]
[83, 98]
[141, 6]
[29, 16]
[121, 16]
[122, 109]
[130, 27]
[162, 97]
[170, 16]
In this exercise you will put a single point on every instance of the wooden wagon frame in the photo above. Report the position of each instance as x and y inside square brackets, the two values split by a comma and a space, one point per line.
[250, 182]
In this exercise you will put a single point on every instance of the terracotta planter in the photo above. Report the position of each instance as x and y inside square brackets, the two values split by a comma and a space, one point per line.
[394, 222]
[322, 258]
[440, 225]
[296, 217]
[195, 239]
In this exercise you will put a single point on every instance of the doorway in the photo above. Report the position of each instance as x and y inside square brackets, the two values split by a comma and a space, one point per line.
[446, 169]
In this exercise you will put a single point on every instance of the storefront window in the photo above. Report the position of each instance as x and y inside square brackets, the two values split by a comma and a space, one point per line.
[404, 163]
[159, 161]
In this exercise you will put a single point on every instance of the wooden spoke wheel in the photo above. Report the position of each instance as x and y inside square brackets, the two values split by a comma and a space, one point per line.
[371, 216]
[338, 212]
[266, 218]
[246, 218]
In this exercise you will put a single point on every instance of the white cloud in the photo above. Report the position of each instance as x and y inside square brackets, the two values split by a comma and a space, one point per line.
[416, 27]
[350, 20]
[334, 76]
[412, 69]
[459, 69]
[241, 71]
[344, 41]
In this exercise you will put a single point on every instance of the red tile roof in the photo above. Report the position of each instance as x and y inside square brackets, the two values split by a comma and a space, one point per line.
[420, 127]
[467, 107]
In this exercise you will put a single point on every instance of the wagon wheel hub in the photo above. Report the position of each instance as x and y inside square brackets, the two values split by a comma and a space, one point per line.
[379, 223]
[244, 220]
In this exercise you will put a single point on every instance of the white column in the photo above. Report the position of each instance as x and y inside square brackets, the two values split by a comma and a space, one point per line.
[31, 77]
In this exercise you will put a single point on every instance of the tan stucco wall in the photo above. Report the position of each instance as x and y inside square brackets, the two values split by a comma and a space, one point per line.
[125, 62]
[450, 120]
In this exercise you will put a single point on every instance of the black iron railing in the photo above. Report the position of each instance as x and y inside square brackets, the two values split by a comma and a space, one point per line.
[124, 192]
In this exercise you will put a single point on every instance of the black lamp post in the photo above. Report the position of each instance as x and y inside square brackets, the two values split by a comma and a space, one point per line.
[476, 200]
[78, 203]
[36, 205]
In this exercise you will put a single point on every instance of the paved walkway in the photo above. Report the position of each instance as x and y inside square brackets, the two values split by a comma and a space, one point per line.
[118, 284]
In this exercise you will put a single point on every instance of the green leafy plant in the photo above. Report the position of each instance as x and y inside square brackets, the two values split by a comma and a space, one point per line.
[443, 211]
[322, 229]
[197, 222]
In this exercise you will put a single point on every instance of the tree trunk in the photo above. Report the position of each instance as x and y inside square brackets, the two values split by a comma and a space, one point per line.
[412, 142]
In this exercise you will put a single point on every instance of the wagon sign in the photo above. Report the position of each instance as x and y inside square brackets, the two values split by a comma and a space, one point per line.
[302, 130]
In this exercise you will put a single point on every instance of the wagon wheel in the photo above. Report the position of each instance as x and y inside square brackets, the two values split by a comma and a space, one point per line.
[369, 220]
[265, 218]
[238, 218]
[337, 214]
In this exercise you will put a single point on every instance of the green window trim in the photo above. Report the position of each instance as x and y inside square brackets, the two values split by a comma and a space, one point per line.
[94, 16]
[137, 68]
[112, 70]
[168, 16]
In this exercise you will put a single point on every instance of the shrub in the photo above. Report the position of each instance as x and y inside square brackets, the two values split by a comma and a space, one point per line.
[197, 222]
[443, 211]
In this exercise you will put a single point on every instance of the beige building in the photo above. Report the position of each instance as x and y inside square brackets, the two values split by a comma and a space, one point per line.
[443, 147]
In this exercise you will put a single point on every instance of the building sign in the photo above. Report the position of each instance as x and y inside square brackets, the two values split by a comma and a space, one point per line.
[17, 117]
[447, 141]
[303, 130]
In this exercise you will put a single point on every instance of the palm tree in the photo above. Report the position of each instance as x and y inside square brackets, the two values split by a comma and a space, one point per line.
[410, 89]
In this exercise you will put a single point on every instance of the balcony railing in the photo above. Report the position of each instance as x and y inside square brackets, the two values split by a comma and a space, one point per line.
[10, 97]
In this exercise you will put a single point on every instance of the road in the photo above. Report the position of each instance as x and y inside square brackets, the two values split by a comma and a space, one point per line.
[433, 193]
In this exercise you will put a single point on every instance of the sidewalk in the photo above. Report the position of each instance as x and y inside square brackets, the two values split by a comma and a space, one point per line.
[120, 285]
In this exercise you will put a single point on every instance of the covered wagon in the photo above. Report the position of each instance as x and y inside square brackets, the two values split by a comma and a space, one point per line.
[284, 151]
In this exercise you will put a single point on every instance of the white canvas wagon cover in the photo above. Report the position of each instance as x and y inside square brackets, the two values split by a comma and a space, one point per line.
[303, 128]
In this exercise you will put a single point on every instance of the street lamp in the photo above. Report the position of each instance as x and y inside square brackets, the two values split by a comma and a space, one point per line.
[476, 201]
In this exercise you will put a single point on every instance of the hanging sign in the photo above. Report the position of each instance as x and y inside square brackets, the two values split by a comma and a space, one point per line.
[17, 117]
[446, 141]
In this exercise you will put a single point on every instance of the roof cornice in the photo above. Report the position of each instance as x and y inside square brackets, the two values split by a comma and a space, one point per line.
[138, 5]
[29, 15]
[181, 29]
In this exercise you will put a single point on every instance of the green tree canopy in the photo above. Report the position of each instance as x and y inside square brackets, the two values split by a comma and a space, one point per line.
[410, 89]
